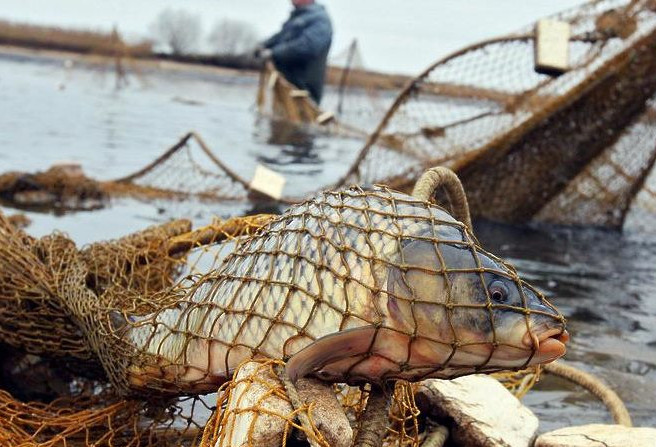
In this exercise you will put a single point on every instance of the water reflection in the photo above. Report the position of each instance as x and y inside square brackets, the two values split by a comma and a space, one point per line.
[295, 144]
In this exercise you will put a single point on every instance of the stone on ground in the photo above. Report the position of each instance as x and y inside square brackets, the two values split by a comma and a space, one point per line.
[256, 415]
[599, 435]
[257, 412]
[484, 412]
[327, 413]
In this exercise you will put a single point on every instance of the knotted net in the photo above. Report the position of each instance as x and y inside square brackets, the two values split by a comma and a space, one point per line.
[528, 145]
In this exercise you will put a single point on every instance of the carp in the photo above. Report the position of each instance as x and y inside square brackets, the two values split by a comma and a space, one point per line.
[352, 286]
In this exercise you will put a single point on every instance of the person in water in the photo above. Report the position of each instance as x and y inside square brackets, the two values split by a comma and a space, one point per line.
[299, 51]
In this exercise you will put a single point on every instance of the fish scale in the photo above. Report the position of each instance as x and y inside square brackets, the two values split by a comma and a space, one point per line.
[321, 269]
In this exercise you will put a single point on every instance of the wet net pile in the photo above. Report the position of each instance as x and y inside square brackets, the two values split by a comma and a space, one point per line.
[55, 389]
[134, 335]
[528, 145]
[188, 171]
[59, 187]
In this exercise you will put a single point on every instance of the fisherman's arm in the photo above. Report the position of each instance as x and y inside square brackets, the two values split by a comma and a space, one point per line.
[271, 41]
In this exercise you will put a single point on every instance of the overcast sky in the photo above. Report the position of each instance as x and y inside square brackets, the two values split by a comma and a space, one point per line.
[395, 35]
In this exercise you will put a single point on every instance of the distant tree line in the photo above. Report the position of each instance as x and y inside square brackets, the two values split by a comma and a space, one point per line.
[180, 32]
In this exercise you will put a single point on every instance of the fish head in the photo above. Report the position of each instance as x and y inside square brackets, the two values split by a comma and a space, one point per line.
[466, 311]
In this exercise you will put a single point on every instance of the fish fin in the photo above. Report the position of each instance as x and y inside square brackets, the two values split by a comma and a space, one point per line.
[330, 348]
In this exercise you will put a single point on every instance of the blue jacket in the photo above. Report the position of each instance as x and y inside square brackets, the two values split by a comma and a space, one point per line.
[301, 48]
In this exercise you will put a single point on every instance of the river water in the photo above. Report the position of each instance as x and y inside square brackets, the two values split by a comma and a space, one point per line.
[52, 110]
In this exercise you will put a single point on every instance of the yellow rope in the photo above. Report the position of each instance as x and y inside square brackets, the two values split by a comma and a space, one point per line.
[438, 177]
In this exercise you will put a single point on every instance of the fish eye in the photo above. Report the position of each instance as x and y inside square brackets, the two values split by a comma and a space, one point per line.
[498, 291]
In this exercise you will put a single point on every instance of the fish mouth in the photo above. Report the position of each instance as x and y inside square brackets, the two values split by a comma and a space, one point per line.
[548, 345]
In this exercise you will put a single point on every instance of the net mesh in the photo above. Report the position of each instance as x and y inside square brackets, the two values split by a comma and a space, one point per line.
[158, 320]
[356, 99]
[187, 172]
[279, 99]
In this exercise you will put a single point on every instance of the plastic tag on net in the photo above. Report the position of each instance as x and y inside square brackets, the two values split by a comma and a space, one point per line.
[267, 182]
[552, 47]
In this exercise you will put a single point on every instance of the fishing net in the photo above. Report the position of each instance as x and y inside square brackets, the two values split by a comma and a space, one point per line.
[355, 99]
[277, 98]
[60, 187]
[613, 187]
[523, 141]
[156, 321]
[318, 269]
[45, 355]
[188, 171]
[569, 149]
[356, 95]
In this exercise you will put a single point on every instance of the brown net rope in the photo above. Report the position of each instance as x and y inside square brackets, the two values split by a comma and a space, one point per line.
[362, 96]
[404, 289]
[187, 171]
[259, 394]
[57, 188]
[355, 100]
[102, 419]
[257, 399]
[49, 355]
[277, 97]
